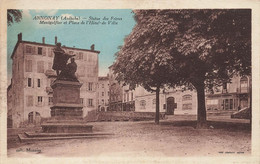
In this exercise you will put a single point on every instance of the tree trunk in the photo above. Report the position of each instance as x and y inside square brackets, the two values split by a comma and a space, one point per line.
[201, 112]
[157, 113]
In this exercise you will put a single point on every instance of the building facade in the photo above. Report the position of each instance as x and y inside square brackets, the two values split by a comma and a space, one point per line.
[231, 96]
[128, 103]
[30, 94]
[171, 101]
[103, 93]
[116, 93]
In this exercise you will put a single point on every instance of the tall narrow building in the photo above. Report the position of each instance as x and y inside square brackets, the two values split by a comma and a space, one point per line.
[103, 93]
[30, 95]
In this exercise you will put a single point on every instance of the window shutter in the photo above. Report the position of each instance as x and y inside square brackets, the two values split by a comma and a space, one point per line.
[40, 66]
[44, 51]
[77, 56]
[34, 50]
[28, 65]
[50, 52]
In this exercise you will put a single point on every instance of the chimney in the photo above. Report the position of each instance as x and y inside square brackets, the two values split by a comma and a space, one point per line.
[20, 37]
[92, 47]
[56, 40]
[43, 40]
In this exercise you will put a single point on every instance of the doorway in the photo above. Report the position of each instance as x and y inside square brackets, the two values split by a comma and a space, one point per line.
[170, 106]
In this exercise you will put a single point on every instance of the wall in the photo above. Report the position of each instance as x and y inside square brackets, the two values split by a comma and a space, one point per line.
[87, 72]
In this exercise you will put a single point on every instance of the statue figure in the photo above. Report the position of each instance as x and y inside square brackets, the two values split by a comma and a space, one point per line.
[60, 59]
[69, 72]
[64, 71]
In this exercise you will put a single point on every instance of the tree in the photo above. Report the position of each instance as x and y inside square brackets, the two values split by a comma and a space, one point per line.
[139, 66]
[13, 16]
[202, 48]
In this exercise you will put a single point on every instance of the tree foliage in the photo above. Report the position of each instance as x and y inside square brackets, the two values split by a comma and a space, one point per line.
[202, 48]
[13, 16]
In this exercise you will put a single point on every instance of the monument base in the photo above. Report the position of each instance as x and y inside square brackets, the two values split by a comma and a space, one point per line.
[66, 127]
[66, 113]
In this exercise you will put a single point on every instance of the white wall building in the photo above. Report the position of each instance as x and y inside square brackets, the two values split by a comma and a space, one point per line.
[172, 101]
[103, 93]
[32, 75]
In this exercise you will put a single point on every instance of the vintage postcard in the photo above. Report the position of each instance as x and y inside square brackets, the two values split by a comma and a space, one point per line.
[130, 82]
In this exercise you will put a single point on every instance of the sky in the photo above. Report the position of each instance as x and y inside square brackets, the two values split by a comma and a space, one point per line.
[106, 37]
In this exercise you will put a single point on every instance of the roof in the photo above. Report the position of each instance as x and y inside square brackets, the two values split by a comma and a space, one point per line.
[51, 45]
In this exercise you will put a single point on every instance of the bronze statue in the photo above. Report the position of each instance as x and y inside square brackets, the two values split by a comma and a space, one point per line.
[69, 72]
[64, 71]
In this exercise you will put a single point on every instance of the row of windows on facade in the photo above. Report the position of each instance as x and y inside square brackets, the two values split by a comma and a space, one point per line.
[185, 106]
[30, 84]
[126, 97]
[103, 101]
[225, 104]
[184, 98]
[42, 51]
[102, 85]
[50, 101]
[115, 97]
[103, 93]
[243, 85]
[40, 68]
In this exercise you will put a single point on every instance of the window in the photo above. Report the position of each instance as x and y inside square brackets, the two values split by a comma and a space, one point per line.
[228, 104]
[102, 93]
[28, 65]
[28, 49]
[50, 100]
[39, 50]
[40, 67]
[90, 86]
[132, 96]
[102, 101]
[29, 82]
[224, 88]
[50, 52]
[143, 104]
[38, 82]
[243, 84]
[187, 106]
[154, 101]
[29, 100]
[81, 100]
[102, 85]
[90, 102]
[127, 96]
[89, 58]
[186, 97]
[39, 100]
[231, 103]
[30, 117]
[80, 55]
[108, 93]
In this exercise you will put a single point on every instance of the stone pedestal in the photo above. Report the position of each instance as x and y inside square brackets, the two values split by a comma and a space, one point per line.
[66, 100]
[66, 112]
